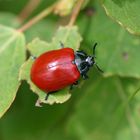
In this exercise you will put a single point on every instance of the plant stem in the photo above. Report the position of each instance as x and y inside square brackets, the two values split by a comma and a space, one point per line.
[75, 12]
[37, 18]
[28, 9]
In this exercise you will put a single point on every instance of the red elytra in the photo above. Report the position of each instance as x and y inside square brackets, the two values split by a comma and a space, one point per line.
[54, 70]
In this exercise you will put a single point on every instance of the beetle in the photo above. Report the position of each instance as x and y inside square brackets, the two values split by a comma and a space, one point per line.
[57, 69]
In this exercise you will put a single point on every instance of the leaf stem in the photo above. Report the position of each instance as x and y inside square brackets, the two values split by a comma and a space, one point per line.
[28, 9]
[75, 12]
[37, 18]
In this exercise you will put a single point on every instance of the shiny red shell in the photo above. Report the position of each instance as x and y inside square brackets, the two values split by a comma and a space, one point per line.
[54, 70]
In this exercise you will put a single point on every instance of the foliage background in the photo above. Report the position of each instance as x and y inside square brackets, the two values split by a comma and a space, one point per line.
[103, 107]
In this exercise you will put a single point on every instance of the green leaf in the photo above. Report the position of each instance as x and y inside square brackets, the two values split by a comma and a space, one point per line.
[104, 111]
[43, 29]
[124, 12]
[70, 37]
[12, 55]
[117, 52]
[36, 122]
[9, 19]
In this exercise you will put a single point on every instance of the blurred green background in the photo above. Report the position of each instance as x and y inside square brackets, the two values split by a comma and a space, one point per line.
[100, 108]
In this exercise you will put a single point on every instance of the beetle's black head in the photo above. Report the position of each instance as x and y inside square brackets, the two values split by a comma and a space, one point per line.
[90, 61]
[84, 61]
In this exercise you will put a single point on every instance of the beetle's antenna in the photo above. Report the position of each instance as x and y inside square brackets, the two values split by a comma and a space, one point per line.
[98, 68]
[94, 48]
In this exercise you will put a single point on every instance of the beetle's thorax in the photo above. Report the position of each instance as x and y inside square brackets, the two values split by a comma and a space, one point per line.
[83, 62]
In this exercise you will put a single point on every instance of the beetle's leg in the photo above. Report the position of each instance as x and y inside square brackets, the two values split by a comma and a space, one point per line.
[46, 98]
[33, 57]
[75, 83]
[85, 76]
[84, 69]
[61, 45]
[71, 86]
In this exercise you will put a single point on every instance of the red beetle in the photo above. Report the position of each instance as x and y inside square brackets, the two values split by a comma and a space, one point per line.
[56, 69]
